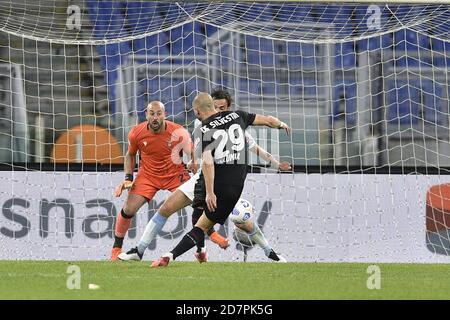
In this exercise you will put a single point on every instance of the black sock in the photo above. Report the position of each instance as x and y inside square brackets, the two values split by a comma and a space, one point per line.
[273, 256]
[210, 231]
[195, 237]
[118, 242]
[196, 214]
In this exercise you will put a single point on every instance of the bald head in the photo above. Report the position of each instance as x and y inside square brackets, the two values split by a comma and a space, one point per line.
[203, 101]
[156, 113]
[203, 105]
[155, 106]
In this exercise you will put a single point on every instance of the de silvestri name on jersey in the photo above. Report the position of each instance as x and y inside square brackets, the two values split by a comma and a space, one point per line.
[197, 147]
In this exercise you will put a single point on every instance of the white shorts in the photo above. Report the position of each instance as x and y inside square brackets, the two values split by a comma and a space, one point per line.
[188, 187]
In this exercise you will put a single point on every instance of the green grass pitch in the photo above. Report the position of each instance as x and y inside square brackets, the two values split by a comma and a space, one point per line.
[213, 280]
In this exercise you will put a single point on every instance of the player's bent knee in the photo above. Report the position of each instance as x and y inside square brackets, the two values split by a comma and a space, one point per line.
[247, 227]
[175, 202]
[130, 209]
[133, 203]
[166, 209]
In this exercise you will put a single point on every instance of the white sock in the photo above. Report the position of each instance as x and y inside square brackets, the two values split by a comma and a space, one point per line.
[151, 230]
[258, 237]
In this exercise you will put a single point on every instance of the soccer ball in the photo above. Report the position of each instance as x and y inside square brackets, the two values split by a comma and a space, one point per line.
[242, 212]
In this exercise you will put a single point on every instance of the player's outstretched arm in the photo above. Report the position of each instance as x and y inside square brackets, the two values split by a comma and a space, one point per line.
[129, 163]
[271, 122]
[274, 163]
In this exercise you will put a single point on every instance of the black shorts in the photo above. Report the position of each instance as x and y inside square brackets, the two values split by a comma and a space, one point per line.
[227, 197]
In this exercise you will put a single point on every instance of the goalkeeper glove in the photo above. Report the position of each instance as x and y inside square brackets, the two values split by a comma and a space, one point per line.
[124, 185]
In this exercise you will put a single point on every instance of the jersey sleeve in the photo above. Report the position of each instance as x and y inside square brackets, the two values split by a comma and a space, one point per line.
[250, 140]
[132, 142]
[197, 123]
[247, 117]
[197, 139]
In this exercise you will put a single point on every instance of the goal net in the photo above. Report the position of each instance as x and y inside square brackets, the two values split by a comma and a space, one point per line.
[365, 88]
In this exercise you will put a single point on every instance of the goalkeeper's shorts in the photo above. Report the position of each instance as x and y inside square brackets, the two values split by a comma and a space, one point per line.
[147, 186]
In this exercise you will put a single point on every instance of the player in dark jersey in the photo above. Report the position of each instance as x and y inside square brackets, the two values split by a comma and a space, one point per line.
[224, 169]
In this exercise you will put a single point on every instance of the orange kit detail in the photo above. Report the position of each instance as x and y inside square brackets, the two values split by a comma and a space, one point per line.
[161, 166]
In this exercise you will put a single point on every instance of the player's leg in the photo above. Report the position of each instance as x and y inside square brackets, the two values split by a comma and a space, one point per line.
[256, 236]
[226, 199]
[142, 191]
[131, 206]
[195, 237]
[175, 202]
[188, 189]
[225, 204]
[196, 214]
[213, 235]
